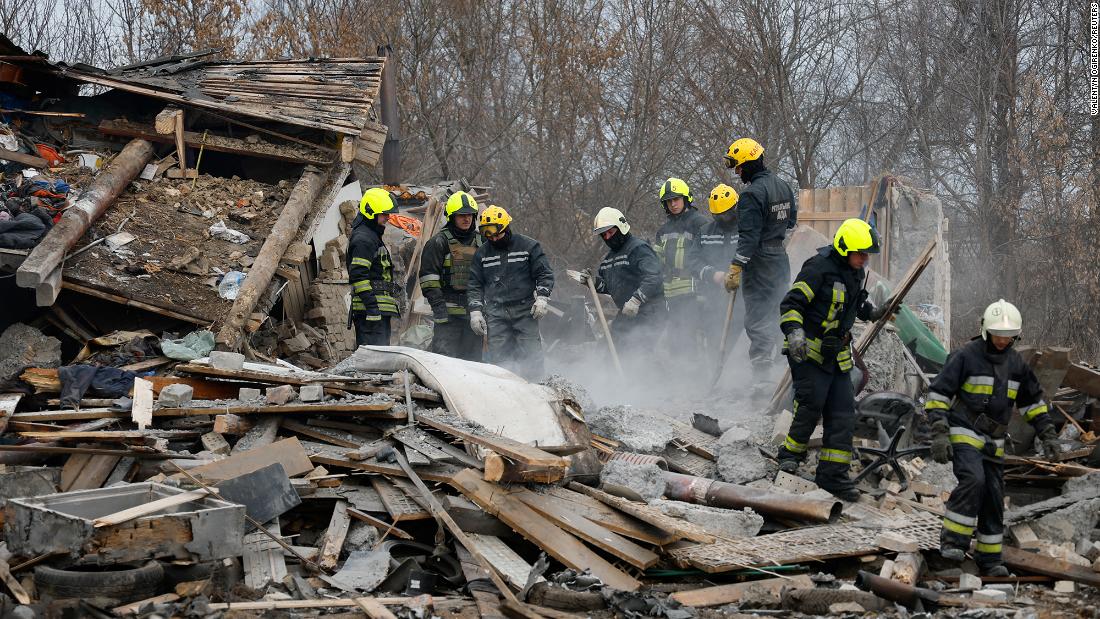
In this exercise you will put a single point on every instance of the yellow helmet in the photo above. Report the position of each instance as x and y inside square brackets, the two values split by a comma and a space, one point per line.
[676, 188]
[461, 203]
[494, 220]
[376, 201]
[742, 150]
[722, 198]
[855, 235]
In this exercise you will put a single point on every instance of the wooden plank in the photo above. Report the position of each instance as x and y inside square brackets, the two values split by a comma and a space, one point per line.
[1083, 378]
[23, 158]
[259, 435]
[8, 404]
[133, 607]
[286, 378]
[142, 411]
[292, 604]
[1051, 368]
[381, 525]
[321, 434]
[337, 532]
[264, 558]
[151, 507]
[374, 608]
[422, 442]
[515, 450]
[399, 505]
[172, 312]
[71, 470]
[528, 523]
[511, 567]
[218, 143]
[13, 585]
[641, 511]
[608, 517]
[94, 472]
[440, 471]
[1049, 566]
[733, 593]
[288, 452]
[590, 532]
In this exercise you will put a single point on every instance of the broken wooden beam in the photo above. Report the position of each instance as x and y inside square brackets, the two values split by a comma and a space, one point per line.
[112, 181]
[500, 469]
[302, 200]
[219, 143]
[515, 450]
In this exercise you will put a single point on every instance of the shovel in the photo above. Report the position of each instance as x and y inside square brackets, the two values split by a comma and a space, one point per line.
[606, 330]
[722, 349]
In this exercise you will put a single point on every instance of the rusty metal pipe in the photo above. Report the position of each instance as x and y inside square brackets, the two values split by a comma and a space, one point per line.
[888, 589]
[732, 496]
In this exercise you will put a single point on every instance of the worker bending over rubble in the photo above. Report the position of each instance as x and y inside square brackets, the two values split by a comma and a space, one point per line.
[767, 209]
[509, 292]
[817, 317]
[677, 246]
[969, 406]
[631, 274]
[444, 273]
[370, 271]
[717, 244]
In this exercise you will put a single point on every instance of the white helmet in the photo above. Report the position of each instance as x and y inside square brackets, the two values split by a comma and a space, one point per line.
[1001, 319]
[608, 217]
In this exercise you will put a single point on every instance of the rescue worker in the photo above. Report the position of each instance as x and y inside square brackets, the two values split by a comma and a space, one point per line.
[677, 245]
[370, 271]
[631, 274]
[444, 273]
[767, 209]
[817, 317]
[509, 292]
[969, 406]
[717, 245]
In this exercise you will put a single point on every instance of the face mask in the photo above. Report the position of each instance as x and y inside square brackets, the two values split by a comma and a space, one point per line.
[616, 241]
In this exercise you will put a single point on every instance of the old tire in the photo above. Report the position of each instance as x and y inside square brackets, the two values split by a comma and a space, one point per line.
[125, 583]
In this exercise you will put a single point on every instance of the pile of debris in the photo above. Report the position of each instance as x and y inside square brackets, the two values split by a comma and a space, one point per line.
[138, 483]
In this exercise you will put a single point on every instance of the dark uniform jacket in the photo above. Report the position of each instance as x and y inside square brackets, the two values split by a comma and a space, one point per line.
[767, 209]
[677, 246]
[509, 276]
[633, 270]
[978, 382]
[825, 300]
[717, 246]
[445, 270]
[370, 271]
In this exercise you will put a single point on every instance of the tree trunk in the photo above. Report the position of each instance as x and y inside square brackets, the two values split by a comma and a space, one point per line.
[301, 200]
[50, 252]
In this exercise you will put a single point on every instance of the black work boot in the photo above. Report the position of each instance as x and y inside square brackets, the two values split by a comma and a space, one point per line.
[789, 461]
[833, 478]
[950, 550]
[994, 569]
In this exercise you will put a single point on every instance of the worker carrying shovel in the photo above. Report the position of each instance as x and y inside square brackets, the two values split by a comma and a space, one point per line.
[631, 274]
[969, 406]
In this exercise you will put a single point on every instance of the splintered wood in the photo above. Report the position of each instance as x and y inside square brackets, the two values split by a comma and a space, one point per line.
[808, 544]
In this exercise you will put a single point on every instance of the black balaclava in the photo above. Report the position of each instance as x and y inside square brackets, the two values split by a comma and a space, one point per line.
[617, 240]
[463, 236]
[727, 220]
[750, 169]
[505, 241]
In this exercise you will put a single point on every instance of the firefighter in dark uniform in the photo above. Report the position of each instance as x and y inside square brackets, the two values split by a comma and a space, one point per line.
[444, 273]
[969, 405]
[817, 317]
[767, 209]
[370, 271]
[630, 274]
[509, 292]
[717, 246]
[677, 245]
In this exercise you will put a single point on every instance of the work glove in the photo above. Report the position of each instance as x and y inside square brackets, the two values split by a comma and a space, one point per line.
[581, 277]
[733, 278]
[797, 349]
[941, 443]
[477, 323]
[631, 307]
[1048, 438]
[540, 307]
[877, 313]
